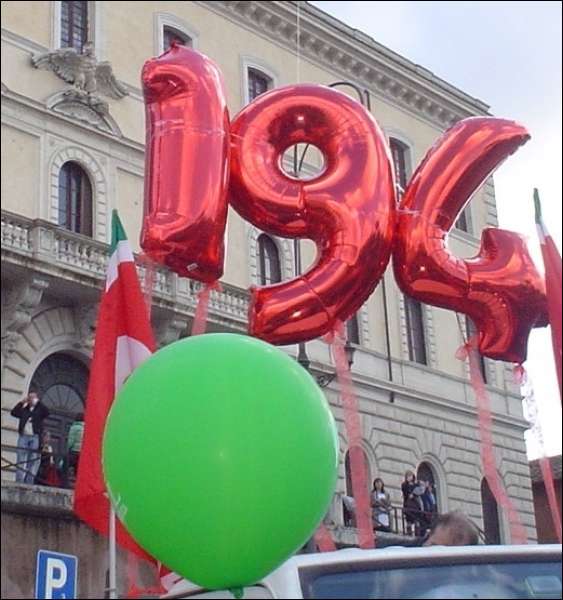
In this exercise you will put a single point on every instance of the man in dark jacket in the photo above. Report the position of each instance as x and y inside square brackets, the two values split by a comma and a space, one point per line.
[31, 414]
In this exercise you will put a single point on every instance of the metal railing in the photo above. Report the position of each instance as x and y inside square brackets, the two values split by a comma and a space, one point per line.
[57, 469]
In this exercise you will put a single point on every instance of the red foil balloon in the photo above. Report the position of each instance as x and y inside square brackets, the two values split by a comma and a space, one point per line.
[348, 210]
[187, 163]
[500, 289]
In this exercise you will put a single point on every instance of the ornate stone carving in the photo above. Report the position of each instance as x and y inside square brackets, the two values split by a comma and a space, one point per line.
[18, 304]
[355, 55]
[85, 316]
[170, 330]
[89, 79]
[88, 108]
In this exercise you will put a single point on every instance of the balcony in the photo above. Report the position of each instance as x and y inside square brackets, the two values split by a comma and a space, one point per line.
[78, 264]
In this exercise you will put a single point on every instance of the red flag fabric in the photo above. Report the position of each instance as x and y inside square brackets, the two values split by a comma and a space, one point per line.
[553, 287]
[124, 339]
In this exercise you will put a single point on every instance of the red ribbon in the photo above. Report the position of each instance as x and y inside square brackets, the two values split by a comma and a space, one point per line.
[200, 317]
[323, 539]
[353, 427]
[517, 530]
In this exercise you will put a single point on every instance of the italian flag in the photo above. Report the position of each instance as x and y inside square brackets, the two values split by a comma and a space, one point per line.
[124, 339]
[552, 262]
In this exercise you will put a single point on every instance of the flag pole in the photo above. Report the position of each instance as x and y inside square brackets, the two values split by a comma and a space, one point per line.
[112, 555]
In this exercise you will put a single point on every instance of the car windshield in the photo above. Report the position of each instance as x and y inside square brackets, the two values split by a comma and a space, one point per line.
[497, 580]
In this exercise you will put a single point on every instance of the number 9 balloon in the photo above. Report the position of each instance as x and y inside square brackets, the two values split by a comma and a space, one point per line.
[348, 210]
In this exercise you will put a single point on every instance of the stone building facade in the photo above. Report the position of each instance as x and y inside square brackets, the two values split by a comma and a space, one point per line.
[69, 158]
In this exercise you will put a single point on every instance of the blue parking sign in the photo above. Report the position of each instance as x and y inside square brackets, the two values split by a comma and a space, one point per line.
[55, 575]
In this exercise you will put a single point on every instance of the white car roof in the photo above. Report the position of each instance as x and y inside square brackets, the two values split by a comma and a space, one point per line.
[289, 569]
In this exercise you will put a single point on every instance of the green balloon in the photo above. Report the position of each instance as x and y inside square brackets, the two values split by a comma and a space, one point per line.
[220, 455]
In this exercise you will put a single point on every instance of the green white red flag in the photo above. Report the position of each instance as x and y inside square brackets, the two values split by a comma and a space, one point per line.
[124, 339]
[552, 262]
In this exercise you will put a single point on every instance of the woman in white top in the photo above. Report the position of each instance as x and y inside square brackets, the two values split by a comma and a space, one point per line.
[381, 505]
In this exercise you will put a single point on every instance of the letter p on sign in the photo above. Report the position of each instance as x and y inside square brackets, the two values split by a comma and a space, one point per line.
[56, 575]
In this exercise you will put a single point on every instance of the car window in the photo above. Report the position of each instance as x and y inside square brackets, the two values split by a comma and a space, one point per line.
[497, 580]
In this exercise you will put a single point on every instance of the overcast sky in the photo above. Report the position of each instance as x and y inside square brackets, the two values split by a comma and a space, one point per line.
[507, 54]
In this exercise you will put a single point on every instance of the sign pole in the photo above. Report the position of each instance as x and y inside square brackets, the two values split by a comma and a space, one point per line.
[112, 556]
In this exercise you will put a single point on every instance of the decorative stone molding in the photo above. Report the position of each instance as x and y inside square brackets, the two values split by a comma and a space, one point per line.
[82, 70]
[89, 78]
[285, 248]
[170, 330]
[18, 304]
[87, 108]
[490, 203]
[85, 316]
[163, 19]
[429, 334]
[353, 55]
[252, 62]
[97, 178]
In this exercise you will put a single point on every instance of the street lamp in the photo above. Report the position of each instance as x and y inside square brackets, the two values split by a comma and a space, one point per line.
[326, 378]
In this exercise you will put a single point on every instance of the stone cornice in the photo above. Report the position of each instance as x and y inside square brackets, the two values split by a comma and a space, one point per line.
[355, 56]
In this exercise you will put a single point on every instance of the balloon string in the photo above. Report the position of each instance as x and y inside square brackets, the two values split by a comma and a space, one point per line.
[298, 43]
[485, 421]
[353, 427]
[547, 474]
[200, 317]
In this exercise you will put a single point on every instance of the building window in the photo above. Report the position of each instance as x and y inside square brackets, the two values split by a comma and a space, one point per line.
[472, 332]
[75, 199]
[463, 222]
[425, 472]
[399, 152]
[258, 83]
[415, 331]
[171, 35]
[74, 24]
[349, 517]
[353, 330]
[269, 267]
[61, 381]
[491, 521]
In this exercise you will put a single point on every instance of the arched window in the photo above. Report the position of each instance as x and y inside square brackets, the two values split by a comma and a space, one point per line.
[471, 332]
[425, 472]
[349, 519]
[61, 382]
[258, 83]
[353, 329]
[75, 199]
[491, 521]
[416, 336]
[172, 35]
[269, 268]
[399, 154]
[74, 24]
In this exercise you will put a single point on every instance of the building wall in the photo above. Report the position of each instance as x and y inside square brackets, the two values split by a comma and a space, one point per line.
[544, 521]
[51, 279]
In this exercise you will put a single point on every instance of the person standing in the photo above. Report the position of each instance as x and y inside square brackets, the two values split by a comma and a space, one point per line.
[412, 504]
[74, 446]
[31, 413]
[381, 504]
